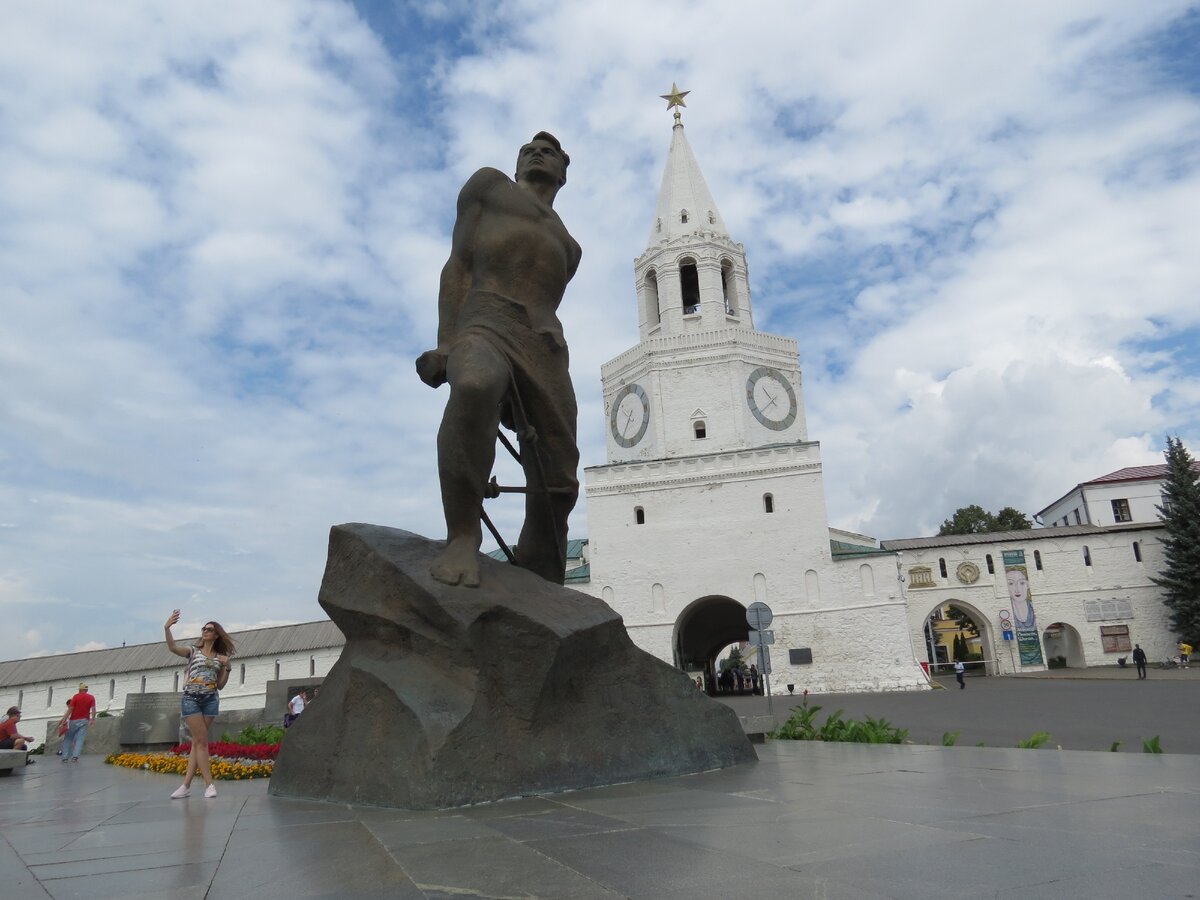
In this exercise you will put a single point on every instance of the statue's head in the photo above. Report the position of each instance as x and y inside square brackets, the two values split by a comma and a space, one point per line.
[543, 154]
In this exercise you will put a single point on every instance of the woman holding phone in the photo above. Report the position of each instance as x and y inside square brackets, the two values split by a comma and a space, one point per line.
[207, 671]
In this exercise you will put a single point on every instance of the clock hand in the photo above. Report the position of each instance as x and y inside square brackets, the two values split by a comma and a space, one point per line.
[628, 419]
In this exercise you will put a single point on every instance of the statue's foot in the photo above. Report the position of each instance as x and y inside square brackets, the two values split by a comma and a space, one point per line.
[458, 564]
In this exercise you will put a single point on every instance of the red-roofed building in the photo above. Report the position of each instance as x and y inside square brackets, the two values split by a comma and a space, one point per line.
[1126, 496]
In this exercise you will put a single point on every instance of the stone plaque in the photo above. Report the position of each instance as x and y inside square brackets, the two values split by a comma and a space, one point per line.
[151, 719]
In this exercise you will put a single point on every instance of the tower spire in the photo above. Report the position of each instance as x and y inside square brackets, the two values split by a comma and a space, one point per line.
[685, 205]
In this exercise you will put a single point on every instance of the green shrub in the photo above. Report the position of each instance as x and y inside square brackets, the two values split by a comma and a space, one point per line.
[950, 738]
[267, 734]
[1152, 745]
[1114, 747]
[1038, 739]
[800, 727]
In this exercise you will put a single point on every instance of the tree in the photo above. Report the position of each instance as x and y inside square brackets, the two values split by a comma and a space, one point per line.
[1180, 515]
[1009, 519]
[965, 622]
[960, 647]
[974, 519]
[734, 660]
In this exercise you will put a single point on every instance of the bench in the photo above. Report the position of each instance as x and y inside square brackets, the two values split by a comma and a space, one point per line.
[11, 759]
[757, 727]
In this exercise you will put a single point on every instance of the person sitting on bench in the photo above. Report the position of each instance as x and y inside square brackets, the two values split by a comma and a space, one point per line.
[9, 739]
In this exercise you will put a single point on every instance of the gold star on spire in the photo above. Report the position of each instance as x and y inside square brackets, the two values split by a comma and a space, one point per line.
[675, 99]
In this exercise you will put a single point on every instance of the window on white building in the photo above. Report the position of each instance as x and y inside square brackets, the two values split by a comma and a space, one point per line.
[639, 515]
[176, 686]
[1107, 610]
[653, 315]
[768, 503]
[689, 281]
[143, 684]
[991, 565]
[1078, 518]
[1087, 556]
[1037, 560]
[700, 429]
[1120, 510]
[112, 688]
[276, 670]
[242, 674]
[50, 695]
[942, 567]
[1115, 638]
[20, 698]
[312, 665]
[1137, 551]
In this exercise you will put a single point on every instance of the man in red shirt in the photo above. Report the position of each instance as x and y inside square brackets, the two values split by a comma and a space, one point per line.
[9, 738]
[82, 713]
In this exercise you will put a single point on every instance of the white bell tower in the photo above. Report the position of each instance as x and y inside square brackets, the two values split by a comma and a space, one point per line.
[713, 496]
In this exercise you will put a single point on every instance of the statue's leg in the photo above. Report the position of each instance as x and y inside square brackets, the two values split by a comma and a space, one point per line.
[478, 375]
[549, 402]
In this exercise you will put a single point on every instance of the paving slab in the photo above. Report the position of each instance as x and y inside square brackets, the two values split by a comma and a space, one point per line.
[831, 821]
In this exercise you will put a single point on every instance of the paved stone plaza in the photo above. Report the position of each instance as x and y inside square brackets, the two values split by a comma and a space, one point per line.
[807, 820]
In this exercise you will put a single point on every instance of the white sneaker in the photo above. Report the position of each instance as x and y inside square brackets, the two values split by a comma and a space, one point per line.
[210, 792]
[180, 792]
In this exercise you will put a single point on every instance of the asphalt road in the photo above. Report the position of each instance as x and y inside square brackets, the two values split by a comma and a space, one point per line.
[998, 712]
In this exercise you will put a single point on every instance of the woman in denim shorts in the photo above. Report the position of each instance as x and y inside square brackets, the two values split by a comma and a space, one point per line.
[207, 671]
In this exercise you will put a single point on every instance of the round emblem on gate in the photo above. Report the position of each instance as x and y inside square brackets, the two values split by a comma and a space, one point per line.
[968, 572]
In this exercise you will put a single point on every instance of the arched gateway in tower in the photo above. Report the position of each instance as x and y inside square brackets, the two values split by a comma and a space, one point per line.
[712, 496]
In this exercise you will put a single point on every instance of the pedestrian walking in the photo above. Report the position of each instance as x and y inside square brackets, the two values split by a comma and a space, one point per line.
[81, 712]
[1139, 660]
[959, 671]
[1185, 653]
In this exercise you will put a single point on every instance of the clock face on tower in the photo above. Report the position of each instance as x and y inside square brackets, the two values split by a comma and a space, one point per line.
[630, 415]
[771, 398]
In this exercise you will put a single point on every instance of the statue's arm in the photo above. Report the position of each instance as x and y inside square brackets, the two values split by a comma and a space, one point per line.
[456, 274]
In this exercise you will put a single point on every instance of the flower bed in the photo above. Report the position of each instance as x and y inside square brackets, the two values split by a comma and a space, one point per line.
[229, 769]
[232, 751]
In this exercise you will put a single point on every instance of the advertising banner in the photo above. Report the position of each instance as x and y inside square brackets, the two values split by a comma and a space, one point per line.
[1029, 646]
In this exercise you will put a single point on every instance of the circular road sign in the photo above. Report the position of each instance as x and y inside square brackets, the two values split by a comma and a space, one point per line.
[759, 615]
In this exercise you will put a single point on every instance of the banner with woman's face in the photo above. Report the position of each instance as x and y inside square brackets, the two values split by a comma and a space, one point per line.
[1024, 618]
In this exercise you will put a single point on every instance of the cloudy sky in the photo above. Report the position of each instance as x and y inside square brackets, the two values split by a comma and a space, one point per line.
[221, 229]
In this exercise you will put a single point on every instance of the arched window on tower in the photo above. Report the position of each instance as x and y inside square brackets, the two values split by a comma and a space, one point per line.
[683, 216]
[1137, 551]
[639, 515]
[942, 567]
[768, 503]
[653, 313]
[991, 565]
[689, 281]
[712, 219]
[1037, 560]
[1087, 556]
[700, 429]
[728, 287]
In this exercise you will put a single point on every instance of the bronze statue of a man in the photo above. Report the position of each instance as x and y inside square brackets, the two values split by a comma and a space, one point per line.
[501, 348]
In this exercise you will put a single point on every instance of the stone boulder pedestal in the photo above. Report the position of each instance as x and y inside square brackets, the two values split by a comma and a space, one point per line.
[445, 696]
